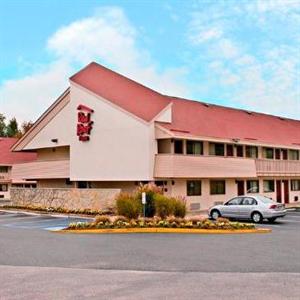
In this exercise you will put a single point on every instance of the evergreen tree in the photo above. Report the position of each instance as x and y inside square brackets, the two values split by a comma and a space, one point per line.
[2, 125]
[12, 129]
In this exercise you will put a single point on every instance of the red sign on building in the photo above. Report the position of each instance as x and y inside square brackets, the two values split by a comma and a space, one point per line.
[84, 123]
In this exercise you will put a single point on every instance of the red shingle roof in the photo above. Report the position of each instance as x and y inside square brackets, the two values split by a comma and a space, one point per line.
[188, 117]
[208, 120]
[7, 157]
[122, 91]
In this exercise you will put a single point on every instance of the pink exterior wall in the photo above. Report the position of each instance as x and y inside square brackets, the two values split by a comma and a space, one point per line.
[190, 166]
[41, 170]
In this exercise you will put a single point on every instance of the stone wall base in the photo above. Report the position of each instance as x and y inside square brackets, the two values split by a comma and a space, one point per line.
[75, 199]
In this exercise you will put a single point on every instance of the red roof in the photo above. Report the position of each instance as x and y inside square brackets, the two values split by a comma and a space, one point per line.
[188, 117]
[209, 120]
[122, 91]
[7, 157]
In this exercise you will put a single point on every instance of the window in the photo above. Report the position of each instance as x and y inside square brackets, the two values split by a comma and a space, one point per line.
[178, 146]
[229, 150]
[268, 153]
[293, 154]
[164, 146]
[216, 149]
[234, 201]
[249, 201]
[269, 186]
[3, 187]
[68, 181]
[84, 184]
[194, 147]
[3, 169]
[251, 151]
[252, 186]
[295, 185]
[239, 150]
[217, 187]
[193, 188]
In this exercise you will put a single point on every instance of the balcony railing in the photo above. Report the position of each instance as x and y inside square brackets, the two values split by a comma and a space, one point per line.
[41, 170]
[268, 167]
[190, 166]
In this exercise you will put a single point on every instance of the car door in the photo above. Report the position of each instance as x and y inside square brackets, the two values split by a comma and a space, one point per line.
[247, 207]
[231, 208]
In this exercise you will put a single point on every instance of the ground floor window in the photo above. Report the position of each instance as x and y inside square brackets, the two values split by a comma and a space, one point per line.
[252, 186]
[269, 186]
[84, 185]
[3, 187]
[193, 188]
[217, 187]
[295, 185]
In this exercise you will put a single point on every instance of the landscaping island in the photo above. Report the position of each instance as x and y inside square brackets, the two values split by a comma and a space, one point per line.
[198, 225]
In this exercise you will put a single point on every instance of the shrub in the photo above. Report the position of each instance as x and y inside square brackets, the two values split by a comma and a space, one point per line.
[101, 219]
[163, 206]
[128, 206]
[179, 207]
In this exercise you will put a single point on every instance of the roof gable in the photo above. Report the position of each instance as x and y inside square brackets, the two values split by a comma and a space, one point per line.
[122, 91]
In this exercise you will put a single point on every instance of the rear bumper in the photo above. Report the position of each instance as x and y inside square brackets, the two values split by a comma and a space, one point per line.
[275, 214]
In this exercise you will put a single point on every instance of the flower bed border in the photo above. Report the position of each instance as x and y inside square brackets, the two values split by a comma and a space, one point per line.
[164, 230]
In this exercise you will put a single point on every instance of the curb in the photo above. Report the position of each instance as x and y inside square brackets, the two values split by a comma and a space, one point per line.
[54, 215]
[165, 230]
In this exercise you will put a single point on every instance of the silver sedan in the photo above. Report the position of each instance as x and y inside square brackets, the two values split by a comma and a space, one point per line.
[255, 208]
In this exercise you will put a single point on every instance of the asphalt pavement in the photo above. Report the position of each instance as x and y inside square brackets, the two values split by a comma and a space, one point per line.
[36, 263]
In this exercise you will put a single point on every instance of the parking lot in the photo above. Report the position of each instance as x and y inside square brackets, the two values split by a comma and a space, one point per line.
[136, 265]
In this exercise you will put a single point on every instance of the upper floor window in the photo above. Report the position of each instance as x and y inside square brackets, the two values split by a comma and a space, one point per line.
[216, 149]
[295, 185]
[194, 147]
[217, 187]
[294, 154]
[268, 153]
[240, 150]
[178, 146]
[251, 151]
[229, 150]
[164, 146]
[269, 186]
[3, 169]
[193, 188]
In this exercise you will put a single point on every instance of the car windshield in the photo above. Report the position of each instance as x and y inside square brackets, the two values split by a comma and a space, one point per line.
[264, 199]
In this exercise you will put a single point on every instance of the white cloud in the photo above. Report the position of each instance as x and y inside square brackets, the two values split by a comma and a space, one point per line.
[205, 34]
[28, 97]
[106, 37]
[252, 70]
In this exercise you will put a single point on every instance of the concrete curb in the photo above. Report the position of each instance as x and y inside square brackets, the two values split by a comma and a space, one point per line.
[165, 230]
[54, 215]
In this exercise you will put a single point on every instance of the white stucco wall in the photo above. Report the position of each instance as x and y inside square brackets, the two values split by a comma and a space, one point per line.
[121, 147]
[58, 128]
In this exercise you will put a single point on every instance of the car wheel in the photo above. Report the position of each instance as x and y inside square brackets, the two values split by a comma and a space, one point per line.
[272, 220]
[215, 214]
[256, 217]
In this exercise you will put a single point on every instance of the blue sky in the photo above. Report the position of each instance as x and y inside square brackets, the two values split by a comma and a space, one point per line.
[244, 54]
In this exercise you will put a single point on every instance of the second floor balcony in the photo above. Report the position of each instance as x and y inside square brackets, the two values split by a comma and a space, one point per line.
[269, 167]
[192, 166]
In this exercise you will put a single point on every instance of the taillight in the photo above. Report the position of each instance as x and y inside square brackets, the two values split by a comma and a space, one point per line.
[273, 206]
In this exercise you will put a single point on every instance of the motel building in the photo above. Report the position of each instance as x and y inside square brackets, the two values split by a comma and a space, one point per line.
[7, 160]
[109, 132]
